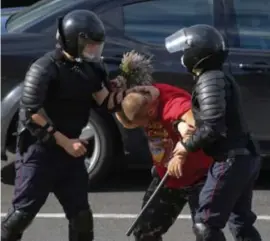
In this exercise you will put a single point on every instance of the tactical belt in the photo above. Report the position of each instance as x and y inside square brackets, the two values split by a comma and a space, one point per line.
[238, 152]
[232, 153]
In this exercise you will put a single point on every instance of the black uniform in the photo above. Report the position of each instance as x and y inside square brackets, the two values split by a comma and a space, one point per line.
[63, 89]
[222, 133]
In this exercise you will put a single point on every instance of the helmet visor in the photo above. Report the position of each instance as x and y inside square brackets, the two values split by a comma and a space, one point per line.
[90, 50]
[178, 41]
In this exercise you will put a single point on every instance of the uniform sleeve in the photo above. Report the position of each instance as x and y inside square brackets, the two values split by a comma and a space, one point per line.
[36, 83]
[100, 76]
[212, 102]
[98, 83]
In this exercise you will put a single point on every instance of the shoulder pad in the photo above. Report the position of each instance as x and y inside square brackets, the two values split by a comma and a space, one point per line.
[43, 66]
[213, 74]
[36, 82]
[211, 78]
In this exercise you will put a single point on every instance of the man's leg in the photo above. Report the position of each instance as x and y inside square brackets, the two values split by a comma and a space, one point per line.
[160, 215]
[242, 218]
[224, 185]
[193, 194]
[72, 192]
[32, 186]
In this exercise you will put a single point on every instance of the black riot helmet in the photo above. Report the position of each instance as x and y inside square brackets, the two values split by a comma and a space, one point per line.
[203, 47]
[81, 34]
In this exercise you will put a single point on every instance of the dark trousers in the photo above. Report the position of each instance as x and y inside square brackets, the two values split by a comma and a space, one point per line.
[164, 210]
[227, 197]
[41, 171]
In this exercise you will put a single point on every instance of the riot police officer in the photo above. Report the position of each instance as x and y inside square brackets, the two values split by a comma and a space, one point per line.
[59, 90]
[222, 132]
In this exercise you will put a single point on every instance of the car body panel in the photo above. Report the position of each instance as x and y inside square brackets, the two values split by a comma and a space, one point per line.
[22, 48]
[5, 14]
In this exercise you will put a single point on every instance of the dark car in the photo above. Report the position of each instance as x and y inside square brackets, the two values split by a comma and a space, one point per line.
[142, 25]
[17, 3]
[10, 7]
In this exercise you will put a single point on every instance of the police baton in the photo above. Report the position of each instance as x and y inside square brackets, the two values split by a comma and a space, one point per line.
[163, 180]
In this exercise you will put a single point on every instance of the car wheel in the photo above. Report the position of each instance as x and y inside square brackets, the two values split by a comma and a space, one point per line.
[100, 148]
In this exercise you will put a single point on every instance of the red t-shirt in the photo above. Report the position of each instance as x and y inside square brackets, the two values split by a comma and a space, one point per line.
[173, 103]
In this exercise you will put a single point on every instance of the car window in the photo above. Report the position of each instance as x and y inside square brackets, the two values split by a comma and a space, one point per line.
[152, 21]
[34, 12]
[253, 23]
[112, 18]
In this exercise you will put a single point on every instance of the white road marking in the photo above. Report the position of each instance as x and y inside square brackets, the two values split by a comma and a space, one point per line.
[121, 216]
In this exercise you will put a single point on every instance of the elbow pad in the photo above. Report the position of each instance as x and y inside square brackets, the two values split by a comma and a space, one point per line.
[211, 95]
[201, 138]
[40, 132]
[36, 83]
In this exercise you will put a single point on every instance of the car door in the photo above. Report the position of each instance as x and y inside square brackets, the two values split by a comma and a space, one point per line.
[249, 38]
[150, 22]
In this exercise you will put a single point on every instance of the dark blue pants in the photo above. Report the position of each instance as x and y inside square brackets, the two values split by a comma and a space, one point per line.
[227, 197]
[41, 171]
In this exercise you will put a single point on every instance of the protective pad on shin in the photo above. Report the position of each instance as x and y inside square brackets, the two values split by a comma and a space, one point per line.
[247, 234]
[81, 227]
[205, 233]
[14, 224]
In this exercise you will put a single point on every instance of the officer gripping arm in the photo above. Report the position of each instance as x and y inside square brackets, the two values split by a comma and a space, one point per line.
[204, 60]
[211, 99]
[80, 39]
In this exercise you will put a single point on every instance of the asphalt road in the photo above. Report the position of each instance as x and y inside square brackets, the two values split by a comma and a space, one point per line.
[115, 206]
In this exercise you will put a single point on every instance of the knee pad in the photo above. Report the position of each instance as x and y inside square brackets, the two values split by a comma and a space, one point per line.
[203, 232]
[81, 227]
[14, 224]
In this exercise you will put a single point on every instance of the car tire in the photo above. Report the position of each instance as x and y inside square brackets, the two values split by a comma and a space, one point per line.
[101, 148]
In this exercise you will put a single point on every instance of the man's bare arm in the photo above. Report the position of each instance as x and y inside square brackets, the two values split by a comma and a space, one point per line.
[109, 100]
[39, 119]
[189, 118]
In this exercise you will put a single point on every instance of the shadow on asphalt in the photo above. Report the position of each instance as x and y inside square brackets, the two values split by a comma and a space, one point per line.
[126, 181]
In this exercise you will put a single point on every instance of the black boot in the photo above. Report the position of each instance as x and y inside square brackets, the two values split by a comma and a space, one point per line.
[14, 224]
[81, 227]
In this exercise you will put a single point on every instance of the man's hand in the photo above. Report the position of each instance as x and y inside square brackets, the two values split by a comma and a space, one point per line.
[175, 165]
[75, 147]
[118, 83]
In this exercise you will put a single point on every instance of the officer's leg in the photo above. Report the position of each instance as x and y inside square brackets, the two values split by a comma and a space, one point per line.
[242, 218]
[32, 184]
[225, 182]
[193, 194]
[160, 215]
[72, 192]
